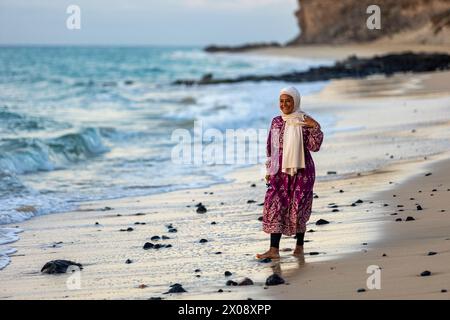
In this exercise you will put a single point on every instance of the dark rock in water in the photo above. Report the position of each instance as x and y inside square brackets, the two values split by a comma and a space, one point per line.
[97, 223]
[203, 241]
[148, 245]
[128, 261]
[321, 222]
[176, 288]
[130, 229]
[218, 252]
[140, 214]
[352, 67]
[341, 191]
[265, 260]
[314, 253]
[426, 273]
[157, 246]
[227, 273]
[246, 282]
[251, 201]
[106, 209]
[128, 82]
[432, 253]
[359, 201]
[213, 222]
[59, 266]
[241, 48]
[220, 290]
[197, 270]
[261, 204]
[274, 280]
[384, 255]
[444, 290]
[260, 218]
[428, 174]
[173, 230]
[311, 230]
[155, 298]
[398, 219]
[315, 196]
[231, 283]
[331, 172]
[165, 237]
[410, 219]
[335, 210]
[253, 185]
[199, 204]
[168, 246]
[201, 209]
[361, 290]
[419, 207]
[385, 205]
[333, 206]
[155, 238]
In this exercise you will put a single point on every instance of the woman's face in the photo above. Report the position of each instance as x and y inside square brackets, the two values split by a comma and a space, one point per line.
[286, 104]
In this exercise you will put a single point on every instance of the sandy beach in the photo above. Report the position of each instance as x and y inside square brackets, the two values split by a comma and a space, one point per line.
[394, 130]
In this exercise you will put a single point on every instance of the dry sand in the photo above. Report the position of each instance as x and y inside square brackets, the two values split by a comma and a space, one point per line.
[403, 117]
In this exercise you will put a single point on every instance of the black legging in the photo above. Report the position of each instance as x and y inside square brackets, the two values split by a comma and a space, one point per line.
[276, 237]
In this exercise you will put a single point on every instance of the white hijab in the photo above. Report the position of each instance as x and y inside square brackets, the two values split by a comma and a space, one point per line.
[293, 152]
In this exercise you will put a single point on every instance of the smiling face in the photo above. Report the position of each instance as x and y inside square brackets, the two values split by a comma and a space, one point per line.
[286, 104]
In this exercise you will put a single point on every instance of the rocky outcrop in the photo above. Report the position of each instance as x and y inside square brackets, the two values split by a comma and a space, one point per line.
[344, 21]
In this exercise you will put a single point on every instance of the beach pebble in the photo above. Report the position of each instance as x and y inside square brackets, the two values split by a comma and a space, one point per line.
[97, 223]
[173, 230]
[341, 191]
[444, 290]
[231, 283]
[197, 270]
[251, 201]
[331, 172]
[128, 261]
[419, 207]
[155, 238]
[220, 290]
[253, 185]
[359, 201]
[274, 280]
[213, 222]
[218, 252]
[201, 209]
[314, 253]
[425, 273]
[148, 245]
[398, 219]
[260, 218]
[428, 174]
[335, 210]
[321, 222]
[203, 240]
[165, 237]
[246, 282]
[176, 288]
[59, 266]
[384, 255]
[431, 253]
[410, 219]
[361, 290]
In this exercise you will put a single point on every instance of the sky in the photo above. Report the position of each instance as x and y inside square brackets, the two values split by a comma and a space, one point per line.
[151, 22]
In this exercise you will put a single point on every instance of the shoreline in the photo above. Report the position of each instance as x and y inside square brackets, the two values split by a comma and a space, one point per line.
[76, 236]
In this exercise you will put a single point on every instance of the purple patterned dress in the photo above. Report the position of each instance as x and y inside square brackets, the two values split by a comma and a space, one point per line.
[288, 200]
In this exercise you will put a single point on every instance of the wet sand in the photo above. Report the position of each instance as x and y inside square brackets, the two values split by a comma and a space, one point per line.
[413, 119]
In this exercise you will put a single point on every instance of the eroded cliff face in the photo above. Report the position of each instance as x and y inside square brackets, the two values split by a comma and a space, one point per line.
[344, 21]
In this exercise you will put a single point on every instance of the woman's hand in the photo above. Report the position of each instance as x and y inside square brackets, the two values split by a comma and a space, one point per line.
[310, 122]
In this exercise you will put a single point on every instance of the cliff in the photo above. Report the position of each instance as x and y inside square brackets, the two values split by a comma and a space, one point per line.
[344, 21]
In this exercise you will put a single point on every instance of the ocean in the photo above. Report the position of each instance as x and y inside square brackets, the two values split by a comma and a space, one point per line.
[91, 123]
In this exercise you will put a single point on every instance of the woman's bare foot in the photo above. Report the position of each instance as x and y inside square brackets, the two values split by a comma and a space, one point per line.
[298, 252]
[272, 253]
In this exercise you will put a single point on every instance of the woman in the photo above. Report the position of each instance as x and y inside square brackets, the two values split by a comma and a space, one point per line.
[290, 173]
